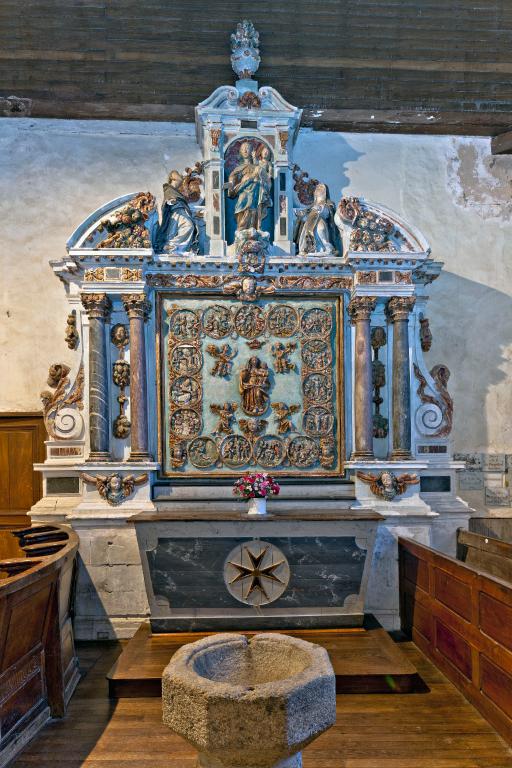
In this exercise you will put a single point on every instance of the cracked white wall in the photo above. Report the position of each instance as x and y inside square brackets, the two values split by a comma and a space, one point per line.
[53, 173]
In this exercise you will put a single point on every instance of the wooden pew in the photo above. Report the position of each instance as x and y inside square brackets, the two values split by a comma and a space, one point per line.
[485, 554]
[461, 618]
[38, 665]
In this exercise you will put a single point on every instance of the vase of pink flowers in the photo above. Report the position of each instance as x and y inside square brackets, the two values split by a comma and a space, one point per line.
[256, 489]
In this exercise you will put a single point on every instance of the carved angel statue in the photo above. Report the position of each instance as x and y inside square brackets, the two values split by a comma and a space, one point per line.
[387, 485]
[223, 359]
[284, 414]
[226, 414]
[280, 353]
[115, 488]
[314, 228]
[177, 232]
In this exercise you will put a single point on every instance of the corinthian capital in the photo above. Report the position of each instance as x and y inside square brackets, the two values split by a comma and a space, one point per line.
[361, 308]
[97, 305]
[398, 307]
[136, 305]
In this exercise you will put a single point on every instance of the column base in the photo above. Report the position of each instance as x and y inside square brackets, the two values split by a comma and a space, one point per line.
[362, 456]
[138, 456]
[98, 456]
[400, 455]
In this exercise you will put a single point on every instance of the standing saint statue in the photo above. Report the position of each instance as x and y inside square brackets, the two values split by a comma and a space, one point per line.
[253, 386]
[250, 184]
[178, 232]
[314, 229]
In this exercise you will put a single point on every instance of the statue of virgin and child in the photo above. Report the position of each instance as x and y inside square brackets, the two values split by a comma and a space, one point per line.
[250, 184]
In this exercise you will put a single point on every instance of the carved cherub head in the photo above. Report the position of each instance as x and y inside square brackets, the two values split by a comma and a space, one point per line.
[119, 335]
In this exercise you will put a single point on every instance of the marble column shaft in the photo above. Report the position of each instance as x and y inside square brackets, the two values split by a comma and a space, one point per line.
[98, 307]
[397, 310]
[360, 309]
[137, 308]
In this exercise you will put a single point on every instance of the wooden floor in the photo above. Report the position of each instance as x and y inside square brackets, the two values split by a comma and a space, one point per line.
[438, 729]
[365, 660]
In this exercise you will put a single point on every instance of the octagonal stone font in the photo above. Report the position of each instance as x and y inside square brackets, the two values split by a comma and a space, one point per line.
[249, 703]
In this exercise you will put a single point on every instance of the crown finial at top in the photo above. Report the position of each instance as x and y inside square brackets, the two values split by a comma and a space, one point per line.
[245, 57]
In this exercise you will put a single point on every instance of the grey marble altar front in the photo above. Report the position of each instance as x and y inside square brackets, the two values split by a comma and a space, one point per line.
[251, 320]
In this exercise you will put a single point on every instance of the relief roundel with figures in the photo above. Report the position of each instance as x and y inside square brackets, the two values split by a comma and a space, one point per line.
[251, 385]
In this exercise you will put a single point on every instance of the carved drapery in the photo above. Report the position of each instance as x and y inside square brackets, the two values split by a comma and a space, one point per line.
[137, 308]
[360, 309]
[98, 307]
[397, 310]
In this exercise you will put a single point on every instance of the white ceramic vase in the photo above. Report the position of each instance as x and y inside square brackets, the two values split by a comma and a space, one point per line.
[257, 507]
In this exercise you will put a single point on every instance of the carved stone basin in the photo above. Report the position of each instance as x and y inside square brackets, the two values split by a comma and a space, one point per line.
[249, 703]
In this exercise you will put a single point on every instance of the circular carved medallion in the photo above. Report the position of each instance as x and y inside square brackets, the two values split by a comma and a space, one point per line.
[316, 322]
[185, 423]
[256, 573]
[303, 451]
[316, 355]
[282, 320]
[185, 391]
[317, 421]
[183, 324]
[317, 387]
[217, 321]
[249, 322]
[186, 359]
[235, 451]
[268, 451]
[203, 452]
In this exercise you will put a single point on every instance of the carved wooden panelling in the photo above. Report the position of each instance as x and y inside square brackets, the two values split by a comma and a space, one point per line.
[251, 386]
[453, 593]
[496, 620]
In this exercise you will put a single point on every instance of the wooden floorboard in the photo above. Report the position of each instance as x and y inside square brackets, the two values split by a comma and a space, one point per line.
[438, 729]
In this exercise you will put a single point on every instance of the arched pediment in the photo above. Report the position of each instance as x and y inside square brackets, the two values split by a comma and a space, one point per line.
[120, 223]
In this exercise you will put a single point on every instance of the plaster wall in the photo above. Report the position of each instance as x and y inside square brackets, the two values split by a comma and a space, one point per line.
[53, 173]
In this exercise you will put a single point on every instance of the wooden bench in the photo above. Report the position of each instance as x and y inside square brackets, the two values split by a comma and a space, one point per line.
[461, 618]
[485, 554]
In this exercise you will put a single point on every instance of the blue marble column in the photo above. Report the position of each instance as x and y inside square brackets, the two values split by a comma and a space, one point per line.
[360, 310]
[137, 308]
[98, 307]
[397, 311]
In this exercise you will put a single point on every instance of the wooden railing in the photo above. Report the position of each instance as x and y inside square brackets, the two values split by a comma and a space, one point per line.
[38, 666]
[461, 618]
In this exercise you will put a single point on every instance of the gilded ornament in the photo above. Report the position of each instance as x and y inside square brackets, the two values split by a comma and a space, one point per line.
[217, 321]
[185, 391]
[283, 140]
[317, 421]
[249, 288]
[249, 322]
[126, 228]
[310, 283]
[254, 386]
[303, 451]
[251, 428]
[283, 414]
[121, 427]
[316, 355]
[281, 353]
[177, 453]
[269, 451]
[403, 277]
[72, 338]
[317, 387]
[184, 324]
[59, 407]
[443, 400]
[115, 488]
[203, 452]
[223, 360]
[251, 248]
[121, 373]
[316, 322]
[304, 186]
[249, 100]
[185, 423]
[235, 451]
[386, 485]
[226, 414]
[186, 359]
[282, 320]
[119, 336]
[215, 134]
[361, 308]
[96, 275]
[327, 451]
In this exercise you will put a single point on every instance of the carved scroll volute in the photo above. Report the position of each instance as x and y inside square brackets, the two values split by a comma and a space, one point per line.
[61, 408]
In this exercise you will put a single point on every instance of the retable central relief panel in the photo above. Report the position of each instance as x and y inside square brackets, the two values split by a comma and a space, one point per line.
[251, 386]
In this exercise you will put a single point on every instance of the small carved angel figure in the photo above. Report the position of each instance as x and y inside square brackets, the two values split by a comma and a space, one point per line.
[314, 229]
[226, 414]
[115, 488]
[223, 360]
[284, 414]
[387, 485]
[280, 353]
